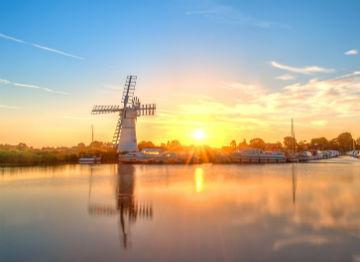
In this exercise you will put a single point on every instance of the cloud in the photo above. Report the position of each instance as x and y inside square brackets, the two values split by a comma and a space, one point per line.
[319, 123]
[11, 38]
[229, 15]
[45, 89]
[4, 82]
[8, 107]
[352, 52]
[248, 88]
[285, 77]
[75, 117]
[248, 91]
[301, 70]
[315, 103]
[113, 87]
[313, 240]
[57, 51]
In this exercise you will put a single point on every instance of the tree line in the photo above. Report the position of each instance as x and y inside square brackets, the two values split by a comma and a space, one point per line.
[23, 154]
[343, 142]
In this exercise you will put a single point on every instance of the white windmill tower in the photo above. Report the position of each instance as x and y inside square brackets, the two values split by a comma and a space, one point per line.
[124, 137]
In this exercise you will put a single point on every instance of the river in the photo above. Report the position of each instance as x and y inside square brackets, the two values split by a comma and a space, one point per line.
[290, 212]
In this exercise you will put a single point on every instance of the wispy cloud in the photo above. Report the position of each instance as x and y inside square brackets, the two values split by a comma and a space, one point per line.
[76, 117]
[8, 107]
[42, 47]
[352, 52]
[285, 77]
[113, 87]
[4, 81]
[45, 89]
[248, 91]
[230, 15]
[319, 123]
[57, 51]
[11, 38]
[301, 70]
[315, 102]
[312, 240]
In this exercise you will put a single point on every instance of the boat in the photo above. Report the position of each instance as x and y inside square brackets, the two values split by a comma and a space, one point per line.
[157, 156]
[90, 160]
[145, 156]
[253, 155]
[304, 156]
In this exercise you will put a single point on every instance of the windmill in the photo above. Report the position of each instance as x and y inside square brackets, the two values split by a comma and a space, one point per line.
[124, 138]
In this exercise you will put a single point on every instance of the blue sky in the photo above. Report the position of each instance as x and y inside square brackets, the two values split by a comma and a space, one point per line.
[67, 55]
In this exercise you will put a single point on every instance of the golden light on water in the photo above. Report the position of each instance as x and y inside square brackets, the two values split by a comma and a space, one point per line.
[199, 179]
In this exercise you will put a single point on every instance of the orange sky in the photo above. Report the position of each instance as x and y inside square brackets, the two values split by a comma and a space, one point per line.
[222, 110]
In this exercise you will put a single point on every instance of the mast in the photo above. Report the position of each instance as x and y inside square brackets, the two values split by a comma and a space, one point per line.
[293, 135]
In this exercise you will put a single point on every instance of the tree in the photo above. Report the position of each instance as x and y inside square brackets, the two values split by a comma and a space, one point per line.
[303, 145]
[81, 147]
[174, 145]
[345, 141]
[334, 144]
[257, 143]
[320, 143]
[145, 144]
[243, 144]
[290, 143]
[273, 146]
[233, 144]
[22, 147]
[358, 143]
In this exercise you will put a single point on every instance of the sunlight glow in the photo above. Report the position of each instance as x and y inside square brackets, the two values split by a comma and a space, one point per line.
[199, 134]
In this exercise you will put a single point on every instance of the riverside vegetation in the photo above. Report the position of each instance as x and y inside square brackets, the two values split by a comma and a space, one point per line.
[23, 154]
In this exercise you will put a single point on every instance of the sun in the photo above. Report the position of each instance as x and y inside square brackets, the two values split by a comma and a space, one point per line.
[199, 134]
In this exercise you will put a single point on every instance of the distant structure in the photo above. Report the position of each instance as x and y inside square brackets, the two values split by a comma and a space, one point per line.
[293, 136]
[124, 138]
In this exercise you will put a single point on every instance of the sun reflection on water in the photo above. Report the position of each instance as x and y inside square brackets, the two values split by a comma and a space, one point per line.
[199, 179]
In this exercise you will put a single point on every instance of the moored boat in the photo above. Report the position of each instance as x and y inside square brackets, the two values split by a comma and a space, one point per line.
[90, 160]
[253, 155]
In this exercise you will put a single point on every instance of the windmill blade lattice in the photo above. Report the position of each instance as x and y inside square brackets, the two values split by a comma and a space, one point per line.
[116, 136]
[129, 90]
[105, 109]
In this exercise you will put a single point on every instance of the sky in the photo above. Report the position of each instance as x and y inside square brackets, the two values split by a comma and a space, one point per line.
[226, 69]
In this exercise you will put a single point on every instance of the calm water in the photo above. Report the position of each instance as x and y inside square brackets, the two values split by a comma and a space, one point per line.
[165, 213]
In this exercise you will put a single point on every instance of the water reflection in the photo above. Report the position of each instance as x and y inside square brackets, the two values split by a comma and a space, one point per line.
[128, 209]
[294, 181]
[199, 179]
[290, 212]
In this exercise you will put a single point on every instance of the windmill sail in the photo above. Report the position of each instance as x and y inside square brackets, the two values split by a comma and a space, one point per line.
[129, 90]
[116, 135]
[128, 93]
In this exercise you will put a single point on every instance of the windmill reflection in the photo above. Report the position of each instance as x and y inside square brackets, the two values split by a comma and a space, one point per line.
[128, 209]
